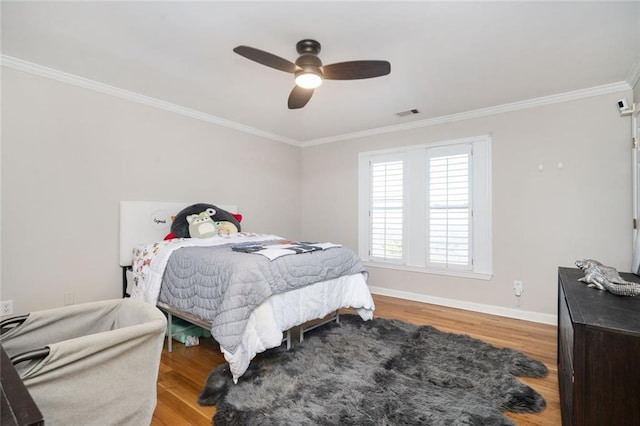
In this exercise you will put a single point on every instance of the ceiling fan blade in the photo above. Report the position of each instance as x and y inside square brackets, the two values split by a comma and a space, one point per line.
[299, 97]
[266, 58]
[355, 70]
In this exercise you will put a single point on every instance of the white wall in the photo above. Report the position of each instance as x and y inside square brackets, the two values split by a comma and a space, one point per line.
[541, 220]
[69, 155]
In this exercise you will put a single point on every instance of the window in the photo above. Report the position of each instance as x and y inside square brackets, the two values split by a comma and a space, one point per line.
[449, 207]
[427, 208]
[386, 209]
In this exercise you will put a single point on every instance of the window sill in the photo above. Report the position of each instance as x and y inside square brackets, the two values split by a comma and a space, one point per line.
[462, 274]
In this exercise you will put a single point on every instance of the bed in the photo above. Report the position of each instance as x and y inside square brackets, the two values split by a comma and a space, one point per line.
[247, 288]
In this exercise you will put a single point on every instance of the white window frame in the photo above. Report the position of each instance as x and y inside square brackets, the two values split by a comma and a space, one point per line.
[447, 151]
[415, 233]
[384, 158]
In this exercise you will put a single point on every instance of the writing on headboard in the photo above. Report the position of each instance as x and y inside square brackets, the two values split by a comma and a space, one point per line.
[161, 219]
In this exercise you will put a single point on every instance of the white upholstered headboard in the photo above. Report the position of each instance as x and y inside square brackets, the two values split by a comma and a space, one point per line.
[145, 222]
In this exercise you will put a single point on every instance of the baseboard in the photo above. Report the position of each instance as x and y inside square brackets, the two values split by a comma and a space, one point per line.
[468, 306]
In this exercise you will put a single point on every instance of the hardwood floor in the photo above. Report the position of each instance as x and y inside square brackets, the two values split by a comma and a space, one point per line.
[183, 372]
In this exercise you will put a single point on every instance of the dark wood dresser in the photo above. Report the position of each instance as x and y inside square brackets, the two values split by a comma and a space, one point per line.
[598, 353]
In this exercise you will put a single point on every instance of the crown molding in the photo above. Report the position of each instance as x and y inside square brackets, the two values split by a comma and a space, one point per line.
[42, 71]
[483, 112]
[634, 73]
[21, 65]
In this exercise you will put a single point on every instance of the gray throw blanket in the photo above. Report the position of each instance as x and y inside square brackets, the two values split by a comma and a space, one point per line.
[223, 286]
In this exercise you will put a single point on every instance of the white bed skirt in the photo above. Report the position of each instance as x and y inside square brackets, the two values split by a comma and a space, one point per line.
[286, 310]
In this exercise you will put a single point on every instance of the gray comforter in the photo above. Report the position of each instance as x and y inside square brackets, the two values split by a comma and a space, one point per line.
[223, 286]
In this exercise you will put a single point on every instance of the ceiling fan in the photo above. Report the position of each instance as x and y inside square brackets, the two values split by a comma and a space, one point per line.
[309, 71]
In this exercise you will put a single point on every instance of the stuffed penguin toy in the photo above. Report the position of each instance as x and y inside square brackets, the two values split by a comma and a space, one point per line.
[224, 222]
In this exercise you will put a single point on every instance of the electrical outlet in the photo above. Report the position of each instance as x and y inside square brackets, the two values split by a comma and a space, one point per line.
[68, 298]
[518, 288]
[6, 307]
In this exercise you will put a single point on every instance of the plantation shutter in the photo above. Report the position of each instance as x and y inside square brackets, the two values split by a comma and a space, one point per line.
[449, 207]
[386, 208]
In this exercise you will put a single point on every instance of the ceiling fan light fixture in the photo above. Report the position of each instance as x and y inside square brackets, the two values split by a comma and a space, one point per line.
[309, 71]
[308, 79]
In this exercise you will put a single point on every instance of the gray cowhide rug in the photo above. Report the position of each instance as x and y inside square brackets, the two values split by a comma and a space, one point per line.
[380, 372]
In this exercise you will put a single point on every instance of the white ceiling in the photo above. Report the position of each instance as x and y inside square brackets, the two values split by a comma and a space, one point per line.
[446, 57]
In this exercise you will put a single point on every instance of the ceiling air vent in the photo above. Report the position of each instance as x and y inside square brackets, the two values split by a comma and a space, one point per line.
[407, 113]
